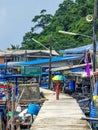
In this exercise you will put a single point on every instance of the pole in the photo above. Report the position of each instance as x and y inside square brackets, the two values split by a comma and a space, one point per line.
[39, 43]
[13, 106]
[94, 34]
[49, 85]
[26, 55]
[5, 66]
[74, 34]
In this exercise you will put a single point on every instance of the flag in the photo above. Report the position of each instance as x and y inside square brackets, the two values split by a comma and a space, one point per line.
[87, 68]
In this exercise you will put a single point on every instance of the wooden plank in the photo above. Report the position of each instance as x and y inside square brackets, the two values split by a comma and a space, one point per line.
[62, 114]
[69, 67]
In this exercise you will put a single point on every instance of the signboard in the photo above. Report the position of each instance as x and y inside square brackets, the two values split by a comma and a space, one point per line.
[31, 70]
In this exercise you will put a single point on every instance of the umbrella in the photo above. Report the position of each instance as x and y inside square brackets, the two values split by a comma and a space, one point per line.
[58, 78]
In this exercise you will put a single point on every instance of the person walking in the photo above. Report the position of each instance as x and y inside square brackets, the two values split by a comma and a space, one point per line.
[57, 89]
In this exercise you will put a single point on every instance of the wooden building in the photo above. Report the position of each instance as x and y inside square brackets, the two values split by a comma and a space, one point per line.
[24, 55]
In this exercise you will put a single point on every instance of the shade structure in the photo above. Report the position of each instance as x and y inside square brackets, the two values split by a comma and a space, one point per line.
[58, 78]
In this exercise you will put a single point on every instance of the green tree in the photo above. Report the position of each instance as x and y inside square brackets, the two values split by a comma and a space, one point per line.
[70, 16]
[41, 20]
[14, 47]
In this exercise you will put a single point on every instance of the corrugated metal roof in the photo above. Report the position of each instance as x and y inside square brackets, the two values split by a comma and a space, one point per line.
[22, 52]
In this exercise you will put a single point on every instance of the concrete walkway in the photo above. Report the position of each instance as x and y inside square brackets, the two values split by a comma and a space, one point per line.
[62, 114]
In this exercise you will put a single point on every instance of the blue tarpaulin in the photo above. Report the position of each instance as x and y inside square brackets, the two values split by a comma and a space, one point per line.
[2, 65]
[42, 61]
[79, 50]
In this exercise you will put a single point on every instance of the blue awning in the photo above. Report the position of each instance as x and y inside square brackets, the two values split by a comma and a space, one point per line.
[2, 65]
[79, 50]
[42, 61]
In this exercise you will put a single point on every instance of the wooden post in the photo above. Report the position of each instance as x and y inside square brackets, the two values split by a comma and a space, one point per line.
[88, 118]
[8, 103]
[13, 107]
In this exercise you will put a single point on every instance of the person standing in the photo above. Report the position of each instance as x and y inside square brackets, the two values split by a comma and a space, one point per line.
[57, 89]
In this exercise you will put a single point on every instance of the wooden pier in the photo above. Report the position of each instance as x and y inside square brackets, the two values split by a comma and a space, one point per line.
[62, 114]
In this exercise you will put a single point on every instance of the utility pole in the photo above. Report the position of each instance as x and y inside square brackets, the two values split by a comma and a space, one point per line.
[49, 85]
[94, 33]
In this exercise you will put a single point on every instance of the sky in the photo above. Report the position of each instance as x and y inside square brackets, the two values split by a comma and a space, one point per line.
[16, 18]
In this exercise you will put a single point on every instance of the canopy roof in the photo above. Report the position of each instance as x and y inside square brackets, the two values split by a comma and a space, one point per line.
[79, 50]
[42, 61]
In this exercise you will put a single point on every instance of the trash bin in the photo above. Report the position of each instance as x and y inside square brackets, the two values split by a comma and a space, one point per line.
[72, 85]
[33, 109]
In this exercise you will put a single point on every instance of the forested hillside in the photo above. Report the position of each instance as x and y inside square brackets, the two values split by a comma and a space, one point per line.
[70, 16]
